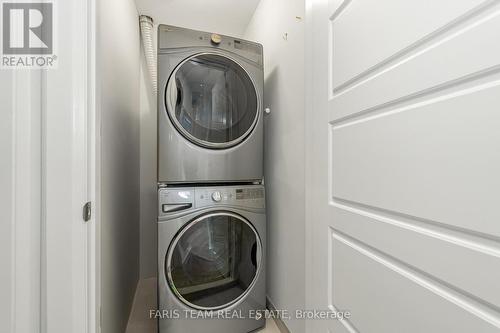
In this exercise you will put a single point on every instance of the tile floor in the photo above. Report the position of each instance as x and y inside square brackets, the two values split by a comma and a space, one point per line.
[145, 299]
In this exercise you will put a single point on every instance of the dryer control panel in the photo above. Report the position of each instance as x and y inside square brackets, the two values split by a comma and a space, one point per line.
[172, 38]
[173, 200]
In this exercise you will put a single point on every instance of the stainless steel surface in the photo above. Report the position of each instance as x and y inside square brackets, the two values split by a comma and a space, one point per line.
[246, 203]
[181, 160]
[172, 95]
[186, 228]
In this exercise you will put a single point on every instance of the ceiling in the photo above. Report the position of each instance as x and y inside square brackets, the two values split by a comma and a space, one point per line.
[229, 17]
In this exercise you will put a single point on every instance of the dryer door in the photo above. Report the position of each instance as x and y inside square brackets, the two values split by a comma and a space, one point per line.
[213, 261]
[212, 101]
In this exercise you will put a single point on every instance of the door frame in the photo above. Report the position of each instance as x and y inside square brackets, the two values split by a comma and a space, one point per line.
[51, 254]
[69, 108]
[309, 67]
[308, 109]
[94, 171]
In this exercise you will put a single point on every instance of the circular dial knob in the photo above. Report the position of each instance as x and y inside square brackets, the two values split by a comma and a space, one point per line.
[216, 39]
[216, 196]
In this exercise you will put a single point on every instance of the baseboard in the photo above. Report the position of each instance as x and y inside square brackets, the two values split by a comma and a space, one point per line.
[279, 322]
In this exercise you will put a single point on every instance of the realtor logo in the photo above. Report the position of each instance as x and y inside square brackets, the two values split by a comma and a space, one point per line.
[28, 34]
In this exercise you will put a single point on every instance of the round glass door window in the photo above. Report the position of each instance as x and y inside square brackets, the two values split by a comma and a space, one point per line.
[213, 261]
[212, 101]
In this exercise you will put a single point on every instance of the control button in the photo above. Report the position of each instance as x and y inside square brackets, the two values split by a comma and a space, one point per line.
[216, 196]
[216, 39]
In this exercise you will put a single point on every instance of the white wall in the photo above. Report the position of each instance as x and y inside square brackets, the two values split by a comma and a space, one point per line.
[227, 17]
[149, 212]
[118, 67]
[279, 26]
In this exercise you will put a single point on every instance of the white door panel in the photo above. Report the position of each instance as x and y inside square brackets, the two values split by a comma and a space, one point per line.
[385, 297]
[403, 165]
[414, 243]
[439, 161]
[440, 65]
[380, 31]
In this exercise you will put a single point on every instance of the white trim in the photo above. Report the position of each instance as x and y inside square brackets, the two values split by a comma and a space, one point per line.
[309, 110]
[95, 169]
[93, 273]
[68, 281]
[26, 201]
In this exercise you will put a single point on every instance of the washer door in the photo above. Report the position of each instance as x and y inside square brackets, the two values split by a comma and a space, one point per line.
[213, 261]
[212, 101]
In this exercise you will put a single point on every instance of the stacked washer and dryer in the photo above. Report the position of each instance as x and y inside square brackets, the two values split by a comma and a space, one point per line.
[211, 202]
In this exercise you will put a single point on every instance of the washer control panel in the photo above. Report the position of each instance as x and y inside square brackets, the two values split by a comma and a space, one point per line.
[172, 200]
[248, 196]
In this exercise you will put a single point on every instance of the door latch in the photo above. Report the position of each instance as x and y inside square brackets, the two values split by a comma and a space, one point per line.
[87, 211]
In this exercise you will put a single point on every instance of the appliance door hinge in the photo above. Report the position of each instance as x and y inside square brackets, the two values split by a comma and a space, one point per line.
[87, 211]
